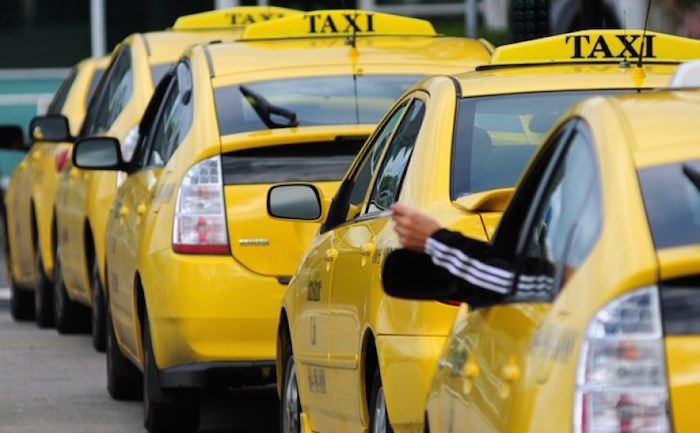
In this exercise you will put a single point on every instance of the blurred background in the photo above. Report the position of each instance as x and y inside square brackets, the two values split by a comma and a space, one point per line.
[41, 39]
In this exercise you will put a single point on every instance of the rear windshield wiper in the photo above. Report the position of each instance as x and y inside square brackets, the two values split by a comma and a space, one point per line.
[264, 109]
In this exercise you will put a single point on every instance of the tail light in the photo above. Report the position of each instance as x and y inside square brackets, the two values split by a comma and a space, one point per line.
[61, 159]
[199, 226]
[621, 382]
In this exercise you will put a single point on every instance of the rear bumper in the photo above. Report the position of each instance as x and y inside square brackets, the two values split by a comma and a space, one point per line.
[209, 374]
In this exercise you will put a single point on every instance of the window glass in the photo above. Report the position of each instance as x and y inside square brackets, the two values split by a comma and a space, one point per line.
[310, 162]
[671, 195]
[158, 71]
[114, 93]
[495, 136]
[332, 100]
[173, 122]
[566, 222]
[59, 98]
[388, 181]
[352, 192]
[96, 75]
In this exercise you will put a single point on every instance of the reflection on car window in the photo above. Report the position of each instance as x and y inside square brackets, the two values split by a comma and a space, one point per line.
[495, 136]
[114, 93]
[59, 98]
[332, 100]
[352, 192]
[388, 181]
[567, 221]
[310, 162]
[672, 202]
[172, 125]
[96, 75]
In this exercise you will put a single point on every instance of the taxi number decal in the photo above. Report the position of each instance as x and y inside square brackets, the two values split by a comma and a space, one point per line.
[599, 46]
[317, 380]
[242, 19]
[325, 24]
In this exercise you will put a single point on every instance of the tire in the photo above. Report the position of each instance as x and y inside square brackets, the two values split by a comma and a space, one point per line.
[165, 411]
[70, 316]
[21, 302]
[378, 415]
[290, 405]
[124, 380]
[43, 293]
[99, 333]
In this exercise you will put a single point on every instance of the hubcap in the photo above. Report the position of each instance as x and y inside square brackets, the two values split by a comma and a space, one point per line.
[380, 418]
[290, 416]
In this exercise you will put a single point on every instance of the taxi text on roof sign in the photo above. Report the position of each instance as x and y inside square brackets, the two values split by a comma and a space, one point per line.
[600, 46]
[236, 16]
[339, 23]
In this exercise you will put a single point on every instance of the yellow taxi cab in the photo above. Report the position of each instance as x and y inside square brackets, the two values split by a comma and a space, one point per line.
[83, 198]
[196, 268]
[29, 197]
[351, 358]
[608, 212]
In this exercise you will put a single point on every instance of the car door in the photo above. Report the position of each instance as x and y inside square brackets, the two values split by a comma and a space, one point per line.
[311, 327]
[549, 229]
[355, 262]
[111, 96]
[165, 123]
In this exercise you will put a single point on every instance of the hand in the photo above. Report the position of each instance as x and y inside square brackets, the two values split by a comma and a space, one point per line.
[413, 228]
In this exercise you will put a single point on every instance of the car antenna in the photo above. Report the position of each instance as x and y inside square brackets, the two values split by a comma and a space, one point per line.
[644, 35]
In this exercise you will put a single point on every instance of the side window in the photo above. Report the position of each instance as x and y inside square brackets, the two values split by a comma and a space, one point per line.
[388, 182]
[351, 194]
[174, 119]
[566, 221]
[114, 93]
[59, 98]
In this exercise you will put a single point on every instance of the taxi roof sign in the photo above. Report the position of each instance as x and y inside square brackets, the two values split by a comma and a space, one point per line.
[339, 22]
[231, 17]
[600, 46]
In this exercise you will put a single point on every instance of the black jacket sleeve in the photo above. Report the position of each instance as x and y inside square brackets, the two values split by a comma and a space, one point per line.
[454, 267]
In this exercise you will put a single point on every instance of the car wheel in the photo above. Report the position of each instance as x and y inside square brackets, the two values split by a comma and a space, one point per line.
[99, 334]
[165, 410]
[290, 406]
[378, 416]
[43, 294]
[123, 378]
[69, 315]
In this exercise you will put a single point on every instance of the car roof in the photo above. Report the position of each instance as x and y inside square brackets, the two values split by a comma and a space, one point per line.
[598, 58]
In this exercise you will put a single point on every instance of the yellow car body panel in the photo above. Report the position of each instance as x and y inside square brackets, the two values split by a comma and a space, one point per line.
[517, 366]
[335, 312]
[30, 194]
[85, 197]
[205, 309]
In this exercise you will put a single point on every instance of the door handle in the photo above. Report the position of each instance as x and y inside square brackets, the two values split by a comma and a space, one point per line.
[366, 250]
[331, 255]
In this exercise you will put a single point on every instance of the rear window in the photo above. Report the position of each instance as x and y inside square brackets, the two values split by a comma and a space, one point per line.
[308, 162]
[672, 200]
[496, 135]
[308, 101]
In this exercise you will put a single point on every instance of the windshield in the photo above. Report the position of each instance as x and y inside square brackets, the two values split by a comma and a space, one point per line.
[496, 135]
[331, 100]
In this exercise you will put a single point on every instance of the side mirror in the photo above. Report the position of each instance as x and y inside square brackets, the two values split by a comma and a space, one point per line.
[98, 153]
[295, 201]
[12, 137]
[51, 127]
